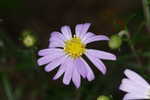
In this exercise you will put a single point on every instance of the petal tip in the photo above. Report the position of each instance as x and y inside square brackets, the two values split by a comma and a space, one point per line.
[87, 23]
[78, 86]
[46, 69]
[114, 58]
[64, 26]
[54, 78]
[127, 71]
[107, 38]
[39, 62]
[91, 78]
[120, 86]
[65, 82]
[40, 53]
[104, 72]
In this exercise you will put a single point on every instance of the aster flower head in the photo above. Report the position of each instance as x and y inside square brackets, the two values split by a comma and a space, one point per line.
[135, 86]
[66, 50]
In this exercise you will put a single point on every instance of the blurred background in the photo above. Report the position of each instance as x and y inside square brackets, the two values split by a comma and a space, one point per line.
[25, 27]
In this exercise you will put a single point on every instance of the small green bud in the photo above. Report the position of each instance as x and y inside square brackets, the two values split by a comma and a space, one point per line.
[115, 42]
[29, 39]
[103, 98]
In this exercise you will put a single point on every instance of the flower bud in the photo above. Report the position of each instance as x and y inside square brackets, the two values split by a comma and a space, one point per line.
[29, 39]
[103, 98]
[115, 42]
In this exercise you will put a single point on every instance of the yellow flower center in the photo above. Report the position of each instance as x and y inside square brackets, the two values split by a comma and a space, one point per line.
[74, 47]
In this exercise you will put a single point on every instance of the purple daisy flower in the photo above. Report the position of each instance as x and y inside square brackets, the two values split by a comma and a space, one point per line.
[135, 86]
[66, 51]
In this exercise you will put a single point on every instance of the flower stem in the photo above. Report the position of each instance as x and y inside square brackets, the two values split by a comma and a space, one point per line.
[7, 88]
[146, 13]
[127, 33]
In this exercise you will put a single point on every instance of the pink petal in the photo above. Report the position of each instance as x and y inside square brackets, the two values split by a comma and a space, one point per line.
[55, 63]
[96, 38]
[89, 73]
[57, 36]
[45, 52]
[135, 96]
[128, 86]
[101, 54]
[56, 40]
[55, 44]
[87, 35]
[98, 63]
[81, 29]
[81, 67]
[84, 29]
[78, 29]
[60, 71]
[49, 58]
[66, 32]
[68, 72]
[76, 77]
[136, 78]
